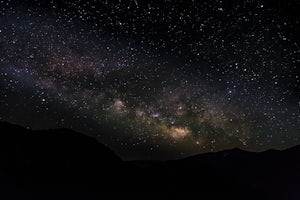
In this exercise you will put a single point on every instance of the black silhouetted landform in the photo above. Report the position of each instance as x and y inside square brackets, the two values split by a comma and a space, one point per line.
[63, 164]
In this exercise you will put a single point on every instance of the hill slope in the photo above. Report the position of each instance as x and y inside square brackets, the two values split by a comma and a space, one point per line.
[62, 163]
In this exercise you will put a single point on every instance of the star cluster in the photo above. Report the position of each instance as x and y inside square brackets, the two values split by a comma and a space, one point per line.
[155, 79]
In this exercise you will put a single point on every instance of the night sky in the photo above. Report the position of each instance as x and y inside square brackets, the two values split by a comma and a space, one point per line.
[155, 79]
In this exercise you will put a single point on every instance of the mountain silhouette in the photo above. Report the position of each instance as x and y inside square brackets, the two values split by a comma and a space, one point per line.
[61, 163]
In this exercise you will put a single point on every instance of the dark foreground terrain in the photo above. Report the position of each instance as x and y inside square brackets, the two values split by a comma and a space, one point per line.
[62, 164]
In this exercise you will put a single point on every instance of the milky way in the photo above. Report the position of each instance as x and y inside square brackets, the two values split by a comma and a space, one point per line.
[154, 80]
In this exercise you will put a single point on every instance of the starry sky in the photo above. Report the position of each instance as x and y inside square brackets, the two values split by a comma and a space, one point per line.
[155, 79]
